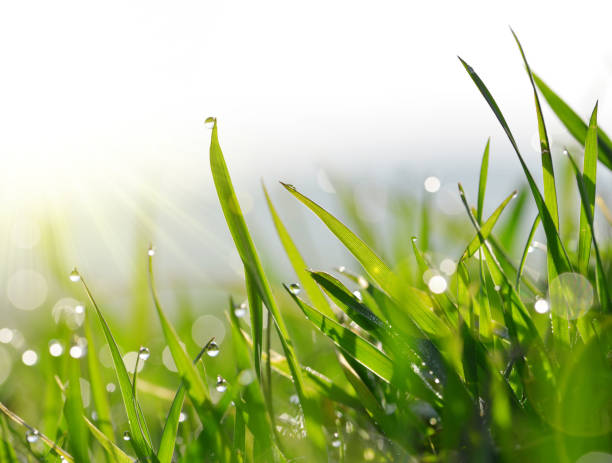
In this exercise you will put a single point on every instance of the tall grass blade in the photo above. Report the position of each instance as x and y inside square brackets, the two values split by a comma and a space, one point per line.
[248, 254]
[73, 412]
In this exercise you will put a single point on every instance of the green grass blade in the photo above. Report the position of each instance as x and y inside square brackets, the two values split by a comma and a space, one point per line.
[482, 183]
[574, 124]
[73, 412]
[521, 267]
[115, 453]
[487, 227]
[256, 314]
[248, 254]
[139, 441]
[555, 246]
[98, 391]
[297, 262]
[351, 344]
[7, 453]
[589, 176]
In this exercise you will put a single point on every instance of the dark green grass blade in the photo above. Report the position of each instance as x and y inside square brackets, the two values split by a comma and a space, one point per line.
[115, 453]
[256, 314]
[574, 124]
[98, 391]
[482, 183]
[73, 412]
[141, 445]
[602, 285]
[589, 176]
[487, 227]
[248, 254]
[238, 446]
[297, 262]
[350, 343]
[559, 256]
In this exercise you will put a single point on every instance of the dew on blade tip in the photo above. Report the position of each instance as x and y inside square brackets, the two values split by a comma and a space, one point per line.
[221, 385]
[144, 353]
[74, 275]
[295, 289]
[212, 350]
[32, 435]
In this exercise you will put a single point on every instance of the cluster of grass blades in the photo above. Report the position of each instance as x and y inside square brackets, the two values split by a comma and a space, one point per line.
[484, 365]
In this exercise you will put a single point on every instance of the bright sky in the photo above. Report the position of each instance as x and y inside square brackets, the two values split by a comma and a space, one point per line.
[113, 95]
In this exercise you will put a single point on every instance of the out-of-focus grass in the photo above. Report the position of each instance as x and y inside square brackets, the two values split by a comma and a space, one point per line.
[454, 345]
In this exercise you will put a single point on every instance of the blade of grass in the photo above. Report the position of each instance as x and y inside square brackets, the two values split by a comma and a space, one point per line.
[114, 452]
[574, 124]
[532, 232]
[139, 441]
[482, 184]
[589, 176]
[73, 412]
[248, 254]
[297, 262]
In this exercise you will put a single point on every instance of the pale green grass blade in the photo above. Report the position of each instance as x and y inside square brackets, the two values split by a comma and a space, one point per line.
[602, 281]
[248, 254]
[115, 453]
[487, 227]
[139, 441]
[350, 343]
[574, 124]
[297, 262]
[589, 176]
[7, 453]
[560, 258]
[73, 412]
[482, 183]
[98, 391]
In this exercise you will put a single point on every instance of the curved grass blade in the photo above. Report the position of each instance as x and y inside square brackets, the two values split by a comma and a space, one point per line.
[297, 262]
[351, 344]
[555, 246]
[589, 177]
[140, 442]
[482, 183]
[115, 453]
[417, 303]
[574, 124]
[248, 254]
[519, 272]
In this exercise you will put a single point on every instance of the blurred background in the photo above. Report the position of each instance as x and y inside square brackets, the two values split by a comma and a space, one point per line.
[104, 149]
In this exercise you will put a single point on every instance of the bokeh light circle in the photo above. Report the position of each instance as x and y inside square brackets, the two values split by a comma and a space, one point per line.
[570, 296]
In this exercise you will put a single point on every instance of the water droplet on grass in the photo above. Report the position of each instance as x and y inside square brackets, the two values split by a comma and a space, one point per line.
[144, 353]
[541, 306]
[336, 442]
[295, 289]
[240, 311]
[126, 436]
[358, 295]
[151, 251]
[221, 385]
[32, 435]
[182, 417]
[74, 275]
[213, 349]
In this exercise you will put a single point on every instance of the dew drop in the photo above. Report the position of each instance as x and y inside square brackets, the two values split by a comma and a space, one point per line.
[341, 269]
[294, 289]
[182, 417]
[240, 311]
[74, 275]
[213, 349]
[565, 152]
[209, 123]
[358, 295]
[126, 436]
[32, 435]
[336, 442]
[541, 306]
[151, 251]
[437, 380]
[433, 421]
[144, 353]
[221, 385]
[289, 186]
